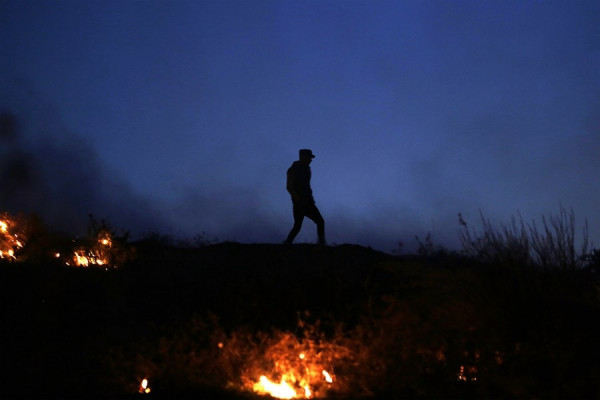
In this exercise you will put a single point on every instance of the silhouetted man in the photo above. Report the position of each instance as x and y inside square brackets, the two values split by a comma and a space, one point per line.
[298, 185]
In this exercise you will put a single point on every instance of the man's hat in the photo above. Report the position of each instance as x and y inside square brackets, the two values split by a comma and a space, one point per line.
[306, 153]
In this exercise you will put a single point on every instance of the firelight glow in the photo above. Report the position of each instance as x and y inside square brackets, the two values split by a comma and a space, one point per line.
[295, 367]
[144, 388]
[280, 390]
[10, 241]
[96, 255]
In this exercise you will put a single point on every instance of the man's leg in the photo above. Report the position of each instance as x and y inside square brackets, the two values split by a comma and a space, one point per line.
[314, 214]
[298, 218]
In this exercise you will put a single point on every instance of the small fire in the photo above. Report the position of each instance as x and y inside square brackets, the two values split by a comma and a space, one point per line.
[100, 250]
[307, 392]
[280, 390]
[10, 240]
[298, 368]
[297, 387]
[328, 378]
[144, 388]
[467, 373]
[98, 254]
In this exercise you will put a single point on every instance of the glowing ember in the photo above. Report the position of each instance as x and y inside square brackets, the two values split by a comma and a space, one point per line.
[144, 388]
[104, 239]
[327, 377]
[467, 373]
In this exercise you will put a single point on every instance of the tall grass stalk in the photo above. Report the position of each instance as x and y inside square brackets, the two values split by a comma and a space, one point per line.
[551, 245]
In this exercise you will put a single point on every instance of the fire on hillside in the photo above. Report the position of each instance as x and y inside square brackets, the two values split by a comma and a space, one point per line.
[293, 368]
[297, 376]
[11, 238]
[97, 254]
[100, 249]
[198, 320]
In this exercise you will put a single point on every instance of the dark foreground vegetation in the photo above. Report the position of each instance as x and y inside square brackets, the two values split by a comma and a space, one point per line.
[198, 321]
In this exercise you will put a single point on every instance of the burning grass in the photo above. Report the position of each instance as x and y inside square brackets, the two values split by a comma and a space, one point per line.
[294, 368]
[12, 237]
[280, 364]
[99, 253]
[286, 365]
[100, 248]
[448, 338]
[233, 319]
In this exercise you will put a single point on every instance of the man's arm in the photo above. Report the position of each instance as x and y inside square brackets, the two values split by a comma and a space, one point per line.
[291, 183]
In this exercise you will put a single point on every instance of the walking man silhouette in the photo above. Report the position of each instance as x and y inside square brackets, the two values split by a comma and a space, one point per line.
[298, 185]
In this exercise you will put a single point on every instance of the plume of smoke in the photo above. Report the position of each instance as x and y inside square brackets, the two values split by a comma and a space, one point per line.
[47, 170]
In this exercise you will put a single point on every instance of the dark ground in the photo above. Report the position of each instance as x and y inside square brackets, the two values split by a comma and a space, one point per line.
[75, 332]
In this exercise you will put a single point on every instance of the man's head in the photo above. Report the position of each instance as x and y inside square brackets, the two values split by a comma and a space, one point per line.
[306, 155]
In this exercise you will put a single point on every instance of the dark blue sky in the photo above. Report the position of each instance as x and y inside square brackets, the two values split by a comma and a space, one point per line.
[183, 116]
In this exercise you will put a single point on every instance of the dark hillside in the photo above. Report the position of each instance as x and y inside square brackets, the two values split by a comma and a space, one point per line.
[213, 319]
[260, 284]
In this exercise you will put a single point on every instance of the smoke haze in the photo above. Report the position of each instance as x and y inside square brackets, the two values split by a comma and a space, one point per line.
[47, 170]
[183, 117]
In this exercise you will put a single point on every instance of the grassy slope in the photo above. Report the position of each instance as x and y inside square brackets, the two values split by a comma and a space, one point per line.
[529, 333]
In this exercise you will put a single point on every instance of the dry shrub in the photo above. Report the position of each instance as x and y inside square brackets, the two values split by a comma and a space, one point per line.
[551, 245]
[101, 247]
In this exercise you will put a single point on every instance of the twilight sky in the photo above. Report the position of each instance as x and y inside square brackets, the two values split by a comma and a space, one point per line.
[182, 117]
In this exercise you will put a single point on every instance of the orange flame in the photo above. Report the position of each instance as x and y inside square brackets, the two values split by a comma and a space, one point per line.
[280, 390]
[298, 368]
[98, 254]
[9, 238]
[144, 388]
[297, 388]
[328, 378]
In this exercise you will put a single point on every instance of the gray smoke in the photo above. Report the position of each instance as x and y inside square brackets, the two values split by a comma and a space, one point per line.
[47, 170]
